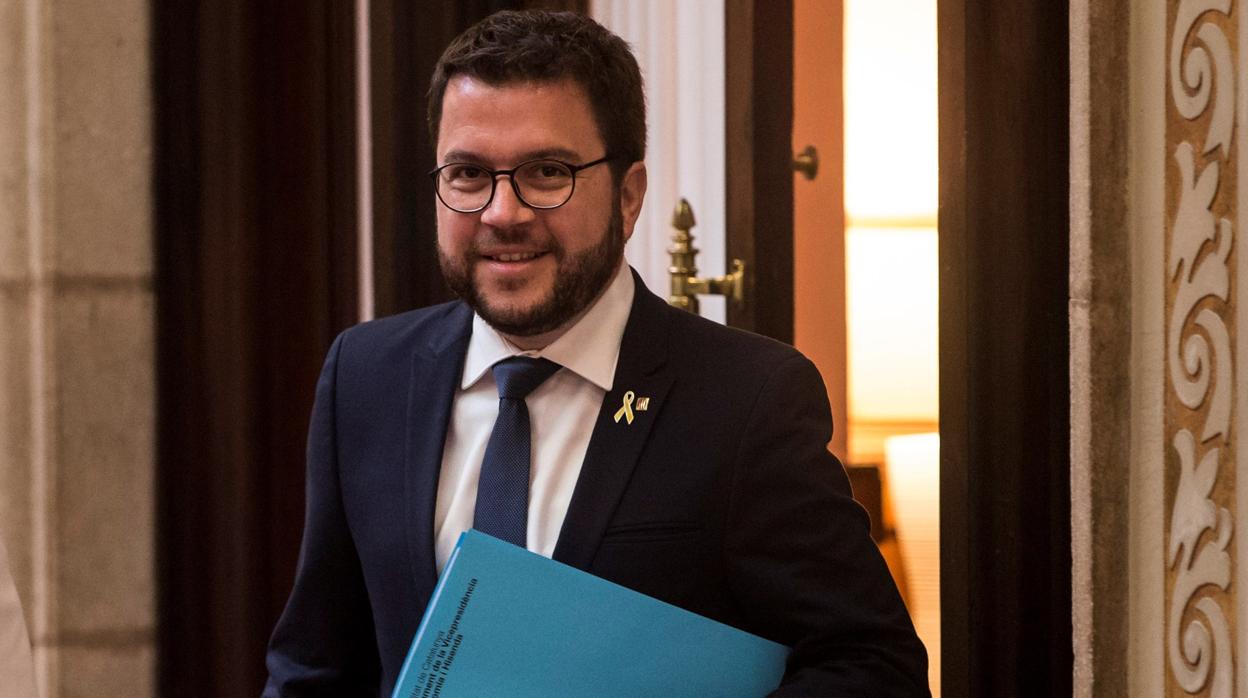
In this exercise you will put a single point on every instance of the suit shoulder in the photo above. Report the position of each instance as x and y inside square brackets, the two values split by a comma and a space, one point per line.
[708, 338]
[422, 328]
[734, 364]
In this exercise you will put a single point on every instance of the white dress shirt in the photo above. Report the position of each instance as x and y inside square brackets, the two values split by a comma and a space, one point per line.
[17, 671]
[562, 413]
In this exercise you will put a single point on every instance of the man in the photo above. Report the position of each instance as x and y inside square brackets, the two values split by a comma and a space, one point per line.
[669, 454]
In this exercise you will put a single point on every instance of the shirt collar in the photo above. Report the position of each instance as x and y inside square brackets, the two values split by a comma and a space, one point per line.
[590, 348]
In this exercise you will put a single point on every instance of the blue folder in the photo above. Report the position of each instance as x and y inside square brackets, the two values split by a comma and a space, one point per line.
[507, 622]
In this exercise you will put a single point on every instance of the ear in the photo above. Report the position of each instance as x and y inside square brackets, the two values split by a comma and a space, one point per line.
[632, 193]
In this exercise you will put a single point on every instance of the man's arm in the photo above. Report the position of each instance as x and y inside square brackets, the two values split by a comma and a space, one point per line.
[324, 644]
[802, 562]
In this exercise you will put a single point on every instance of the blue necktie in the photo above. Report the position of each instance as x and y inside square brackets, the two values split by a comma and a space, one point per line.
[502, 508]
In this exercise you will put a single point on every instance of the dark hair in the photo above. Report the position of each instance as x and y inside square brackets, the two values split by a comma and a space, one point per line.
[541, 46]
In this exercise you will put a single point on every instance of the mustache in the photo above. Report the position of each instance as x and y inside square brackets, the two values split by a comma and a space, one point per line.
[495, 238]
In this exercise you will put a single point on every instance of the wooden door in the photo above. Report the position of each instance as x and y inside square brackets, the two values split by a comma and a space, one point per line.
[758, 101]
[1004, 349]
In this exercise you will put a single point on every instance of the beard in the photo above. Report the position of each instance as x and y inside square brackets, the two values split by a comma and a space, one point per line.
[579, 279]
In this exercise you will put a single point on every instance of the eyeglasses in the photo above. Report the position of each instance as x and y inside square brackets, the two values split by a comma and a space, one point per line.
[542, 184]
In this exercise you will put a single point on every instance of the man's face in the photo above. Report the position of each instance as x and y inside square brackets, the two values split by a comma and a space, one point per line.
[528, 271]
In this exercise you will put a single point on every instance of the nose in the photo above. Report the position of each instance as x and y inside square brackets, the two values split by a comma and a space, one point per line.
[506, 209]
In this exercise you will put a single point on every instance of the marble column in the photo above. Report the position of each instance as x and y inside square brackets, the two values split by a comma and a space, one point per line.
[76, 339]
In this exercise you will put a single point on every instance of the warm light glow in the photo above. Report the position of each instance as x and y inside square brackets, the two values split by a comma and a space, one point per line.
[891, 279]
[890, 202]
[890, 109]
[891, 291]
[913, 480]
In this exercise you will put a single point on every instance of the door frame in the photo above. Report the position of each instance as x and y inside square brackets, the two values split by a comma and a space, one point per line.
[1004, 347]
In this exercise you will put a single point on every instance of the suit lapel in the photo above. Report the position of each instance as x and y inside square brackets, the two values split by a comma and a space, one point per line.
[615, 446]
[436, 371]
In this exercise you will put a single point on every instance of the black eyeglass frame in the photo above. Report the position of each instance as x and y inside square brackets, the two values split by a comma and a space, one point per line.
[515, 188]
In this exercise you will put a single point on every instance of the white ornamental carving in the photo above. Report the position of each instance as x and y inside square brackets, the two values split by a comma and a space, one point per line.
[1194, 226]
[1206, 639]
[1193, 78]
[1198, 344]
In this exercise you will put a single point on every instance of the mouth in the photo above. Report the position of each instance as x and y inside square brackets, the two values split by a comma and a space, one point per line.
[513, 257]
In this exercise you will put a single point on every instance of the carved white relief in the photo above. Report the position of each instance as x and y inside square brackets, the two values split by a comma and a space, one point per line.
[1206, 640]
[1193, 76]
[1198, 344]
[1199, 278]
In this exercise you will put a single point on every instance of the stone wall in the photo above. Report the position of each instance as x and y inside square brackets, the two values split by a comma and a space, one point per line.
[76, 338]
[1100, 343]
[1158, 298]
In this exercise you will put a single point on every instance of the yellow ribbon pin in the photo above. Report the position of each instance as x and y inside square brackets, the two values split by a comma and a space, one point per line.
[626, 412]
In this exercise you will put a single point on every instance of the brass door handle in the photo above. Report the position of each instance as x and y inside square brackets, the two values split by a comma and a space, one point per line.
[807, 162]
[684, 269]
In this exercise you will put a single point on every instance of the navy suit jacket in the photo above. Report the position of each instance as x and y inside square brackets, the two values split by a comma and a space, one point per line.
[721, 498]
